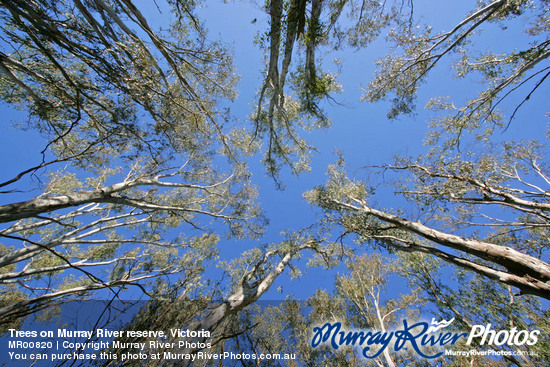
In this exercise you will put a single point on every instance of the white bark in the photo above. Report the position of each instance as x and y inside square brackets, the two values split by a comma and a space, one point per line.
[245, 295]
[529, 274]
[108, 194]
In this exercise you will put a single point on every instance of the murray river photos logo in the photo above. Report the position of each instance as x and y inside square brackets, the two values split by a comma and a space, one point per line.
[418, 336]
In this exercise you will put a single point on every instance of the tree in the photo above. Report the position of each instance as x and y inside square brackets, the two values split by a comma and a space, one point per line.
[455, 189]
[132, 129]
[298, 28]
[476, 201]
[252, 275]
[471, 306]
[450, 192]
[361, 300]
[498, 255]
[420, 51]
[363, 288]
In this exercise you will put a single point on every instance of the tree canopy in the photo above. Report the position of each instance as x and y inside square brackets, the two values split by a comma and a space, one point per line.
[133, 133]
[143, 179]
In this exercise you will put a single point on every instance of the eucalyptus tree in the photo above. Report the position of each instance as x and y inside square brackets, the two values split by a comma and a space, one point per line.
[503, 310]
[505, 72]
[223, 315]
[471, 215]
[485, 207]
[296, 80]
[290, 99]
[477, 200]
[453, 198]
[138, 158]
[360, 300]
